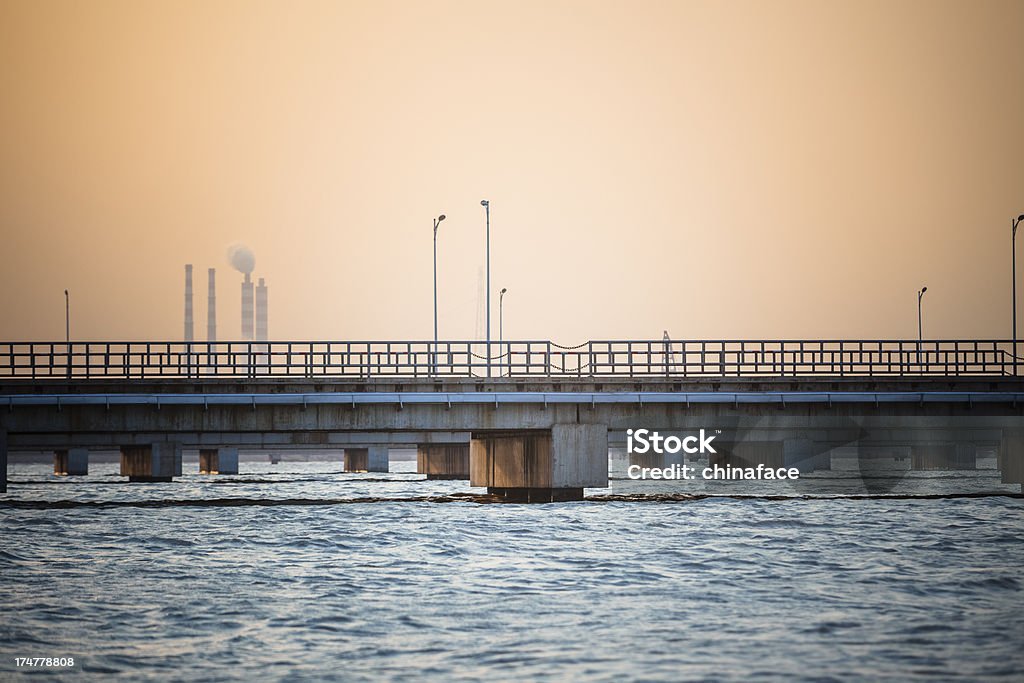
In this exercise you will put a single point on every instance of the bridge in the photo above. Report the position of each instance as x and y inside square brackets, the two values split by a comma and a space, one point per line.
[527, 419]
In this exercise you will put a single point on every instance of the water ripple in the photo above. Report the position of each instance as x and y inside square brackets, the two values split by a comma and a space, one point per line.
[307, 573]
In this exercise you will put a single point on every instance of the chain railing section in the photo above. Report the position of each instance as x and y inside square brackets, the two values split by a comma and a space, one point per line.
[361, 360]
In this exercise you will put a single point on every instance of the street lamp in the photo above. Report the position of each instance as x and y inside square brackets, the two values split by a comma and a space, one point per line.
[501, 318]
[1013, 252]
[67, 328]
[920, 293]
[501, 300]
[487, 209]
[437, 222]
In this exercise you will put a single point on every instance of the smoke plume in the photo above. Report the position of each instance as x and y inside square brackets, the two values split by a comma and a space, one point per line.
[241, 258]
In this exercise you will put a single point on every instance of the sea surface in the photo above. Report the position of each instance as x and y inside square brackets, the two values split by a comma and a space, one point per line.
[297, 571]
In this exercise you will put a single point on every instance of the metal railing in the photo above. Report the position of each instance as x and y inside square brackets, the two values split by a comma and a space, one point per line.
[356, 360]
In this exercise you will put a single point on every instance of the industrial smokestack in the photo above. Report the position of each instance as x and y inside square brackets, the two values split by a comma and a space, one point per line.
[247, 313]
[244, 261]
[261, 311]
[188, 303]
[211, 308]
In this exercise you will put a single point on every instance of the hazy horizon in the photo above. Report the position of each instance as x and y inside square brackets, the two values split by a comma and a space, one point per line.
[714, 169]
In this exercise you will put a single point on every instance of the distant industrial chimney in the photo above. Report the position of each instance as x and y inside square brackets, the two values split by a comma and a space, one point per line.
[244, 261]
[211, 308]
[261, 311]
[247, 314]
[189, 336]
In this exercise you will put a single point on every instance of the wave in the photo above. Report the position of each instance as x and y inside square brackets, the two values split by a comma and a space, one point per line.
[468, 498]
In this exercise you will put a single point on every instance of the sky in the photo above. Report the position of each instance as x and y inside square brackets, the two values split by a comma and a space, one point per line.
[756, 170]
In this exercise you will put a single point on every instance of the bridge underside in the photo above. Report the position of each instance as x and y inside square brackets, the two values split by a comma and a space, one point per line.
[532, 440]
[649, 384]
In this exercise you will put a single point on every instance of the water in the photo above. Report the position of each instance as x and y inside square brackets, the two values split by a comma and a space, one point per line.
[393, 577]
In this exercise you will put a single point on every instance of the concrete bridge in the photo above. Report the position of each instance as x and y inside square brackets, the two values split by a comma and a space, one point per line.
[529, 420]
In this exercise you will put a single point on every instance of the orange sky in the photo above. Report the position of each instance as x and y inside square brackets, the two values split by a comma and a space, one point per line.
[717, 169]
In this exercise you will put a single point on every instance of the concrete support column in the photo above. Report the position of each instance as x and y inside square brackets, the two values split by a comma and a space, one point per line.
[443, 460]
[749, 454]
[1011, 457]
[541, 467]
[3, 461]
[799, 453]
[71, 461]
[218, 461]
[933, 456]
[159, 461]
[368, 459]
[823, 459]
[966, 456]
[659, 460]
[618, 462]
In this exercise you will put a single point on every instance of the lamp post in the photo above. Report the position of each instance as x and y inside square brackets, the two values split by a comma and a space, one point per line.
[920, 294]
[67, 328]
[501, 319]
[1013, 257]
[501, 301]
[487, 209]
[437, 222]
[667, 341]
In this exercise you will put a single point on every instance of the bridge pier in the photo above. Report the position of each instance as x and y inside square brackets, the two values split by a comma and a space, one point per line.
[967, 456]
[806, 455]
[618, 461]
[218, 461]
[541, 467]
[658, 460]
[443, 460]
[749, 454]
[1010, 457]
[798, 453]
[942, 456]
[71, 461]
[823, 459]
[159, 461]
[368, 459]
